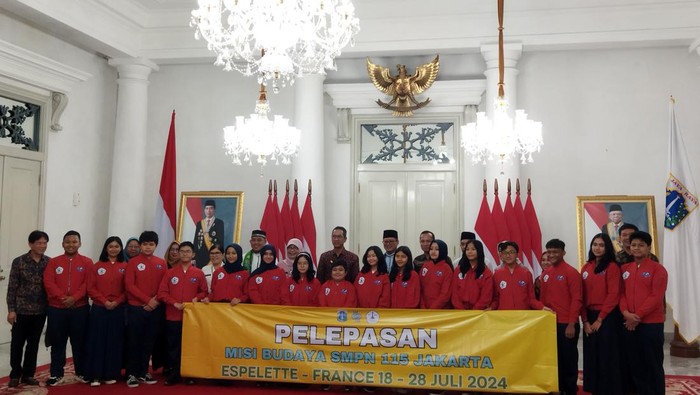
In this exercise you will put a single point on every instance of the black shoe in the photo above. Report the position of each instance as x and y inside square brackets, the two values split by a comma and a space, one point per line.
[172, 380]
[54, 381]
[30, 381]
[13, 383]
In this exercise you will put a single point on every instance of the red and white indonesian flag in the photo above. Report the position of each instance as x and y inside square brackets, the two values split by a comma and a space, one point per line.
[681, 237]
[166, 207]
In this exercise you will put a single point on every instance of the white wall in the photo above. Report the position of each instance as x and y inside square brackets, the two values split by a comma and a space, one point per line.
[206, 99]
[79, 156]
[606, 116]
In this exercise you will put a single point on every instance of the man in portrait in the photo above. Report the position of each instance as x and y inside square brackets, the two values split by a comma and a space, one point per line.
[208, 231]
[612, 228]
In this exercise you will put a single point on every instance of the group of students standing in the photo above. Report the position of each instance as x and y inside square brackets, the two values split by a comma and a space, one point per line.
[620, 305]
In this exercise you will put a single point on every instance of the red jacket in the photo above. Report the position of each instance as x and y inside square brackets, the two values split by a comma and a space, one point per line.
[143, 276]
[105, 283]
[269, 287]
[340, 294]
[471, 293]
[435, 285]
[644, 289]
[180, 286]
[66, 276]
[373, 290]
[561, 291]
[225, 287]
[600, 291]
[514, 291]
[303, 293]
[405, 294]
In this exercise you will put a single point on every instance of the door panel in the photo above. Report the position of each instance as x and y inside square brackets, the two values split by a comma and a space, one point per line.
[409, 202]
[19, 215]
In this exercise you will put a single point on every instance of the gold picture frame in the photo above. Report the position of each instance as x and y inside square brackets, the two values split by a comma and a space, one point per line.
[225, 224]
[593, 217]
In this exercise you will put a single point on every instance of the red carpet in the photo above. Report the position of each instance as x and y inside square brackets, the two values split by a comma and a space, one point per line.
[675, 385]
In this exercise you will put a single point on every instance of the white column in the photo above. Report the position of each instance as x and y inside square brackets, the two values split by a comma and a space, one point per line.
[309, 165]
[511, 55]
[128, 204]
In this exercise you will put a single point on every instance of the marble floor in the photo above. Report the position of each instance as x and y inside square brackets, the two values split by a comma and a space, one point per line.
[672, 365]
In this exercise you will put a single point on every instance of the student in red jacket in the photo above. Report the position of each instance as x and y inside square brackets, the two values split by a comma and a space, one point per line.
[472, 284]
[512, 283]
[405, 284]
[303, 285]
[183, 283]
[436, 278]
[601, 319]
[561, 291]
[642, 305]
[372, 283]
[337, 292]
[268, 283]
[105, 285]
[229, 283]
[143, 312]
[65, 280]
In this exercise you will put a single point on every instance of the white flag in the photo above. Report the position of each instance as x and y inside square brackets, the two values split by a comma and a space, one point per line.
[682, 237]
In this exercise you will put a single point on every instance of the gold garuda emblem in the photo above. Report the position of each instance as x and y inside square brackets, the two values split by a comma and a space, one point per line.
[403, 87]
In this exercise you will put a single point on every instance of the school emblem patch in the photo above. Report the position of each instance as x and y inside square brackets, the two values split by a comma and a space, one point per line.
[625, 275]
[101, 271]
[220, 276]
[361, 281]
[585, 275]
[174, 280]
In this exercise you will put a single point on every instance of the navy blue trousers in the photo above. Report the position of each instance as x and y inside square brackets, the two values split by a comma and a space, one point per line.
[64, 324]
[141, 332]
[645, 349]
[567, 358]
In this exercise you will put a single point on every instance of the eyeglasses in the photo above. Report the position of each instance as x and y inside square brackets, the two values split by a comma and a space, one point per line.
[508, 253]
[215, 253]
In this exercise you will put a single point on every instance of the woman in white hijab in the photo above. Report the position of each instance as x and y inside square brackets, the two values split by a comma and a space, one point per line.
[294, 247]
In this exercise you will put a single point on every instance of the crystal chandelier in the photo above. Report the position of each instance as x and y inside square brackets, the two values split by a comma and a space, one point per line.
[261, 138]
[501, 138]
[298, 36]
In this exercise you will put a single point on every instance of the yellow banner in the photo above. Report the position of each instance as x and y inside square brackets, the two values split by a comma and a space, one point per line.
[494, 351]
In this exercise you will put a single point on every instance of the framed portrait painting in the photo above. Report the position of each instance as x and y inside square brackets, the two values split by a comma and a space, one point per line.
[606, 214]
[208, 218]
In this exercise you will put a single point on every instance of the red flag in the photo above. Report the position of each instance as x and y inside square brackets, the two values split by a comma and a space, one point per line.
[535, 233]
[525, 247]
[308, 225]
[166, 208]
[286, 223]
[280, 241]
[499, 219]
[268, 223]
[486, 232]
[297, 231]
[513, 225]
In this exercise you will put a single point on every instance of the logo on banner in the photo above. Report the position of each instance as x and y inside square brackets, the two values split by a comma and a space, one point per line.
[372, 317]
[342, 316]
